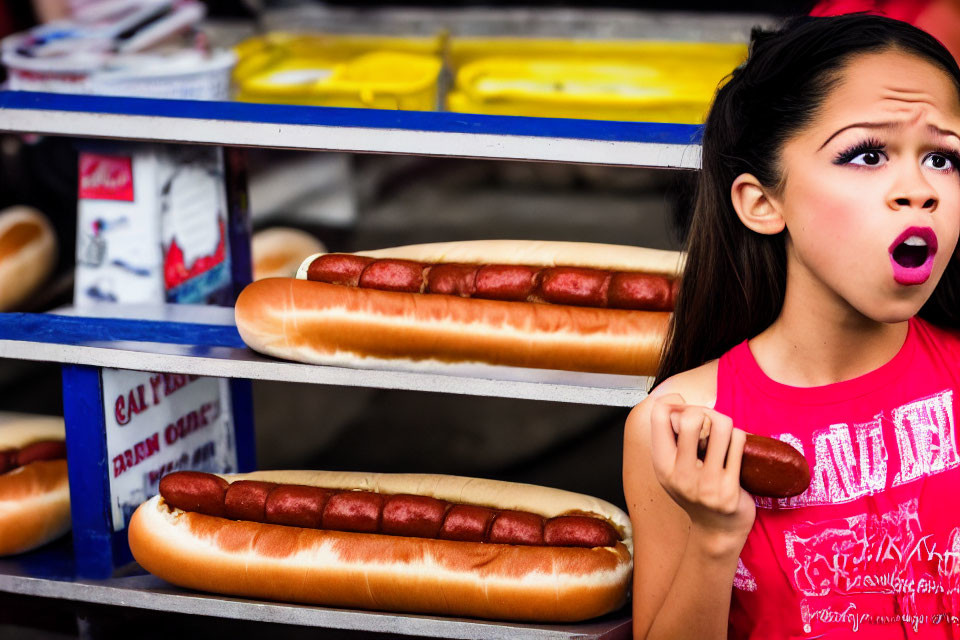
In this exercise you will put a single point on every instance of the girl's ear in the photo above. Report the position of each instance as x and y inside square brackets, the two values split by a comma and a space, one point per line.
[757, 210]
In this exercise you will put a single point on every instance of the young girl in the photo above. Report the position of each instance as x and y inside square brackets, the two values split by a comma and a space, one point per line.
[817, 306]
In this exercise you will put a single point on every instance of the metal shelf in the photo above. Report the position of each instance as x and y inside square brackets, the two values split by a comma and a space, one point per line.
[204, 341]
[47, 573]
[638, 144]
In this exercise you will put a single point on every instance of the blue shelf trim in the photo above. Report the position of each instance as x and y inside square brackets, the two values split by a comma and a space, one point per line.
[651, 132]
[98, 548]
[75, 330]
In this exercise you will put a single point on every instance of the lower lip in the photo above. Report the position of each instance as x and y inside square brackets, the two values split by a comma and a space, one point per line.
[912, 275]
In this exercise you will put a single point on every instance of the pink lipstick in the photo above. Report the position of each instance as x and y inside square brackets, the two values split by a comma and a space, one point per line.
[911, 255]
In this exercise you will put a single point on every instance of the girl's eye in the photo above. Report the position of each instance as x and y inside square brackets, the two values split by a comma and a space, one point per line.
[872, 158]
[940, 162]
[866, 153]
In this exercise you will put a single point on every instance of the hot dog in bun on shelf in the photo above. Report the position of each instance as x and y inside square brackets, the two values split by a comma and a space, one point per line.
[554, 305]
[34, 489]
[418, 543]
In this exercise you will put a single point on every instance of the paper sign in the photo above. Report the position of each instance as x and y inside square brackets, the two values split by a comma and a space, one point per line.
[152, 226]
[157, 423]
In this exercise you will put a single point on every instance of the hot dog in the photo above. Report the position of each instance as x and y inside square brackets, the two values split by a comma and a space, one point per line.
[770, 468]
[34, 489]
[417, 543]
[28, 249]
[553, 305]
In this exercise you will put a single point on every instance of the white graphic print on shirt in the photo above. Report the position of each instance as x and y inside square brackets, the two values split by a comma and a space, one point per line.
[850, 461]
[883, 553]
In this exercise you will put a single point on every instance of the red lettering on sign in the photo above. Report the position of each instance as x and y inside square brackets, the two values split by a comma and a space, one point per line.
[119, 411]
[118, 466]
[192, 421]
[155, 382]
[134, 456]
[133, 403]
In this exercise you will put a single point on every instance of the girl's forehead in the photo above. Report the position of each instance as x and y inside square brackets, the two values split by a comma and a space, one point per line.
[894, 88]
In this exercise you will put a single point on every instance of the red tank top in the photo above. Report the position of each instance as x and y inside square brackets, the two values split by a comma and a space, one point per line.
[872, 548]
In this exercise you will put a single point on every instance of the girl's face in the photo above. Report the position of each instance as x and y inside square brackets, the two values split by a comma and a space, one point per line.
[871, 197]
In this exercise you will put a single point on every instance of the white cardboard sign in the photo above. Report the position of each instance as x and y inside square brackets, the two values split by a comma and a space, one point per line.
[162, 422]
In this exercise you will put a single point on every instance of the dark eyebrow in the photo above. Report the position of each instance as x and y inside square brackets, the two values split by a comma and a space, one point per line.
[864, 125]
[883, 125]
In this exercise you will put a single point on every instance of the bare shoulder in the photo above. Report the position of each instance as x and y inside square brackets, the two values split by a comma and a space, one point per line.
[697, 386]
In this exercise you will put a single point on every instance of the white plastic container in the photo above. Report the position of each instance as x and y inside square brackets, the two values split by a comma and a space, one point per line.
[185, 74]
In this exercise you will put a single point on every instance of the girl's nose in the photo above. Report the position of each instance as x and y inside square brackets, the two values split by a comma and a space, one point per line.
[929, 203]
[913, 191]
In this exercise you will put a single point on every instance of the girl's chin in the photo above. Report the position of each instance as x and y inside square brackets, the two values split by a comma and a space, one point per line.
[893, 312]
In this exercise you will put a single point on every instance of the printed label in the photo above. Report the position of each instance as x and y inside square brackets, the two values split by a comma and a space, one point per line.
[104, 177]
[157, 423]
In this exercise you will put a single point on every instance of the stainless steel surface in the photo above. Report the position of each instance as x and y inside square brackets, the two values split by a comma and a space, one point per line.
[149, 592]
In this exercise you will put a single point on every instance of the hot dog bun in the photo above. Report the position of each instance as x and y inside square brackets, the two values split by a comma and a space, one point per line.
[395, 573]
[279, 251]
[536, 253]
[28, 250]
[34, 498]
[330, 324]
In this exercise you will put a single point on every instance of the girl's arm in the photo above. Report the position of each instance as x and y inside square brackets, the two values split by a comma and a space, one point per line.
[690, 519]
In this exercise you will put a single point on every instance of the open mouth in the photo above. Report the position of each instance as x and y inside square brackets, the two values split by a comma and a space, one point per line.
[912, 252]
[912, 255]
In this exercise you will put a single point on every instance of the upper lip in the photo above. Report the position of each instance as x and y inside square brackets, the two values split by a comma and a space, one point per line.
[926, 233]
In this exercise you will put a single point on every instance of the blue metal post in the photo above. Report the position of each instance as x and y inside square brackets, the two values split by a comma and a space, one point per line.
[97, 547]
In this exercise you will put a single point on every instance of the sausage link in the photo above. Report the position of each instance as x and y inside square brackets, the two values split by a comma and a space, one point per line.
[247, 500]
[368, 512]
[578, 531]
[44, 450]
[414, 516]
[579, 286]
[575, 286]
[640, 291]
[195, 491]
[338, 268]
[773, 468]
[453, 279]
[357, 511]
[466, 523]
[297, 506]
[516, 527]
[513, 282]
[393, 275]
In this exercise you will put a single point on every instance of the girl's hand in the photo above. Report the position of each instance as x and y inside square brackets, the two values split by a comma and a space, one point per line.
[709, 489]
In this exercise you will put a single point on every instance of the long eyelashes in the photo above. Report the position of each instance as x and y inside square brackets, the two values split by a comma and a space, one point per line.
[873, 145]
[864, 146]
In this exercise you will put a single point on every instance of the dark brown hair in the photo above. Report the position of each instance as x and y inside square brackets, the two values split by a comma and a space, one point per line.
[735, 279]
